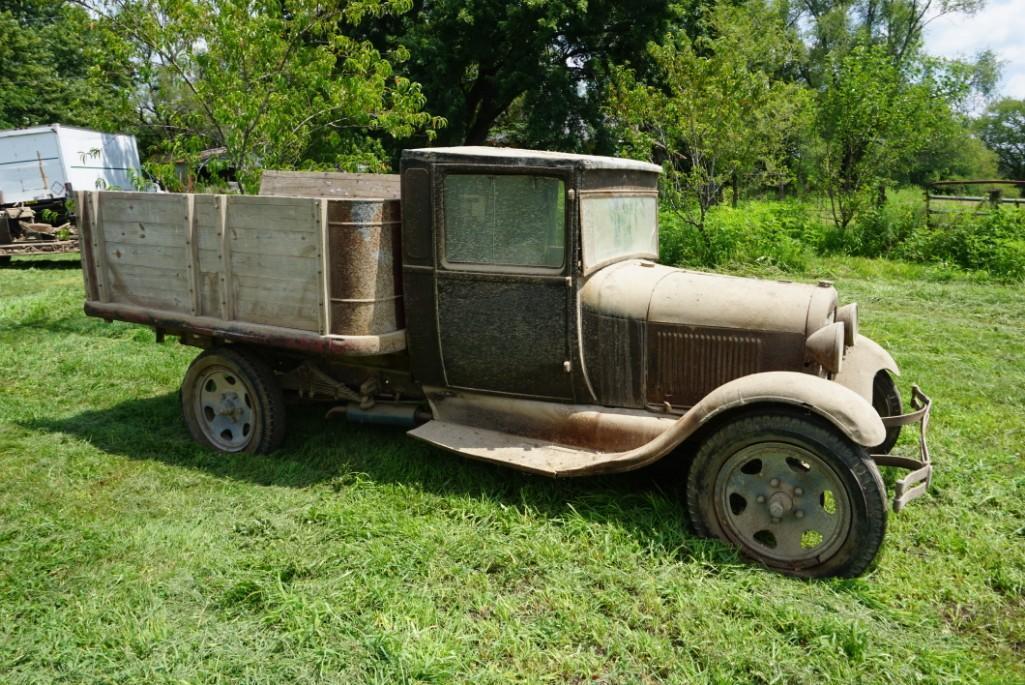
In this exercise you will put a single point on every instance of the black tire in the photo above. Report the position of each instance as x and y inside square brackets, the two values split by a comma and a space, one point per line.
[886, 401]
[817, 466]
[232, 402]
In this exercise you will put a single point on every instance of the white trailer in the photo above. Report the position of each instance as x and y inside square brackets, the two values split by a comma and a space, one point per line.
[39, 169]
[37, 163]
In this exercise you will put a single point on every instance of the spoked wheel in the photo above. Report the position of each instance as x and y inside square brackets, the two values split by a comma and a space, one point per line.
[886, 402]
[790, 491]
[232, 402]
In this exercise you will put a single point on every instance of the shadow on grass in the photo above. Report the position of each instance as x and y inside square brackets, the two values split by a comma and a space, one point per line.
[26, 263]
[646, 503]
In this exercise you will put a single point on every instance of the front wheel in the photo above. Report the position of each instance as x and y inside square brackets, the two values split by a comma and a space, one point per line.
[232, 402]
[789, 490]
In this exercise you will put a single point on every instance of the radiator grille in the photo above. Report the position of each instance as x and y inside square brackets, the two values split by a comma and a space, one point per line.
[688, 365]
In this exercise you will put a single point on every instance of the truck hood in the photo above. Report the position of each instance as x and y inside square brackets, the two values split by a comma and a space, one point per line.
[641, 290]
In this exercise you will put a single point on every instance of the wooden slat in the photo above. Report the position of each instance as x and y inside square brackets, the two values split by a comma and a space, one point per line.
[278, 301]
[162, 234]
[98, 247]
[86, 235]
[227, 287]
[175, 278]
[280, 266]
[151, 296]
[192, 248]
[282, 215]
[269, 243]
[210, 261]
[323, 271]
[329, 184]
[210, 294]
[156, 256]
[144, 207]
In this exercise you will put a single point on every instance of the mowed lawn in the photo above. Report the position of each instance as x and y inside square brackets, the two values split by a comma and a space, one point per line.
[355, 554]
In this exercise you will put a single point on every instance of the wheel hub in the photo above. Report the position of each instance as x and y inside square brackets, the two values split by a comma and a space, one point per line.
[229, 406]
[225, 409]
[783, 503]
[780, 504]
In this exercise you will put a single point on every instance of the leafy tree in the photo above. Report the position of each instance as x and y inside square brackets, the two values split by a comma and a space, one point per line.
[715, 112]
[56, 68]
[1002, 128]
[529, 73]
[273, 82]
[873, 122]
[833, 28]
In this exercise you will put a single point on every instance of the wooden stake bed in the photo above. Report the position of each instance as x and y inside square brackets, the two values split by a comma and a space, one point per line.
[314, 274]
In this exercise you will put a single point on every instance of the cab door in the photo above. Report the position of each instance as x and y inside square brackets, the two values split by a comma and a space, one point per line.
[504, 295]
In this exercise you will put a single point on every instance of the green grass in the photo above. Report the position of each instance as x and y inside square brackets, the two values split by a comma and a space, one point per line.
[128, 554]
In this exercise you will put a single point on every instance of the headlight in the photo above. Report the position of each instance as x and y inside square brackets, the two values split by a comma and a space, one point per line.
[848, 315]
[826, 346]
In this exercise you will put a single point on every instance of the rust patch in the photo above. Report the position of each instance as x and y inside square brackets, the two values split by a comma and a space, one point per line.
[365, 288]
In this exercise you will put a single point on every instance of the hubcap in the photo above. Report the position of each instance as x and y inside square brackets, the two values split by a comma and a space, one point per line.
[225, 409]
[783, 503]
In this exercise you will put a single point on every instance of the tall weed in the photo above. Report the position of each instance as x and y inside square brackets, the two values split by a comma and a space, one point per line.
[993, 242]
[771, 233]
[782, 234]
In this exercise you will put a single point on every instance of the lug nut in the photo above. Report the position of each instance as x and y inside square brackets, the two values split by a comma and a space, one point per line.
[774, 482]
[760, 499]
[799, 514]
[798, 491]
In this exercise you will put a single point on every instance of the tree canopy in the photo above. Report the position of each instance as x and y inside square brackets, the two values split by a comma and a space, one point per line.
[529, 73]
[55, 67]
[1002, 127]
[834, 96]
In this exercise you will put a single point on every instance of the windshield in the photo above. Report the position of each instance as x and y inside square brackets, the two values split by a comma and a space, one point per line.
[618, 226]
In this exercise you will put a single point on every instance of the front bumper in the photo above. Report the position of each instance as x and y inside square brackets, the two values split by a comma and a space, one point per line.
[915, 483]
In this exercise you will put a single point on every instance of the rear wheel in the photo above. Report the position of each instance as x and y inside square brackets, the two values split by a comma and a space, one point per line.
[790, 491]
[232, 402]
[886, 402]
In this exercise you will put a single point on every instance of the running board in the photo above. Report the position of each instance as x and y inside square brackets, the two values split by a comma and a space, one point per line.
[527, 454]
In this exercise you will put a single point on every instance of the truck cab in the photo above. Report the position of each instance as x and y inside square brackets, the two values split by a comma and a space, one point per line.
[498, 243]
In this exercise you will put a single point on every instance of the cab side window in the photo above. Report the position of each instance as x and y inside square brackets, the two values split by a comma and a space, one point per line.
[505, 220]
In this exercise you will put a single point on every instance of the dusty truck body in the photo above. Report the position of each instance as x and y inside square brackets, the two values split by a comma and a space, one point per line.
[508, 305]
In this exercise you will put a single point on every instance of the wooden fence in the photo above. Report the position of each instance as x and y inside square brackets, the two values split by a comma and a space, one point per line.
[939, 203]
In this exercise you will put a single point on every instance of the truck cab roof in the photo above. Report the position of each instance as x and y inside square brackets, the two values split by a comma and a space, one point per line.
[514, 156]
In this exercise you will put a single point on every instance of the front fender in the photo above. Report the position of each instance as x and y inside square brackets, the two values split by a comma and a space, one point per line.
[842, 407]
[862, 362]
[545, 437]
[850, 412]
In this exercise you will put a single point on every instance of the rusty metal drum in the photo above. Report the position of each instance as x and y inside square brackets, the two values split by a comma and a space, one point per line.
[365, 285]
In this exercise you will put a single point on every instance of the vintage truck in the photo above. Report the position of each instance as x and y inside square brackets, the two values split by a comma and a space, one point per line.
[508, 305]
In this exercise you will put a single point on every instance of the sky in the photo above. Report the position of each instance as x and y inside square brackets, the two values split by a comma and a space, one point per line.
[1000, 27]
